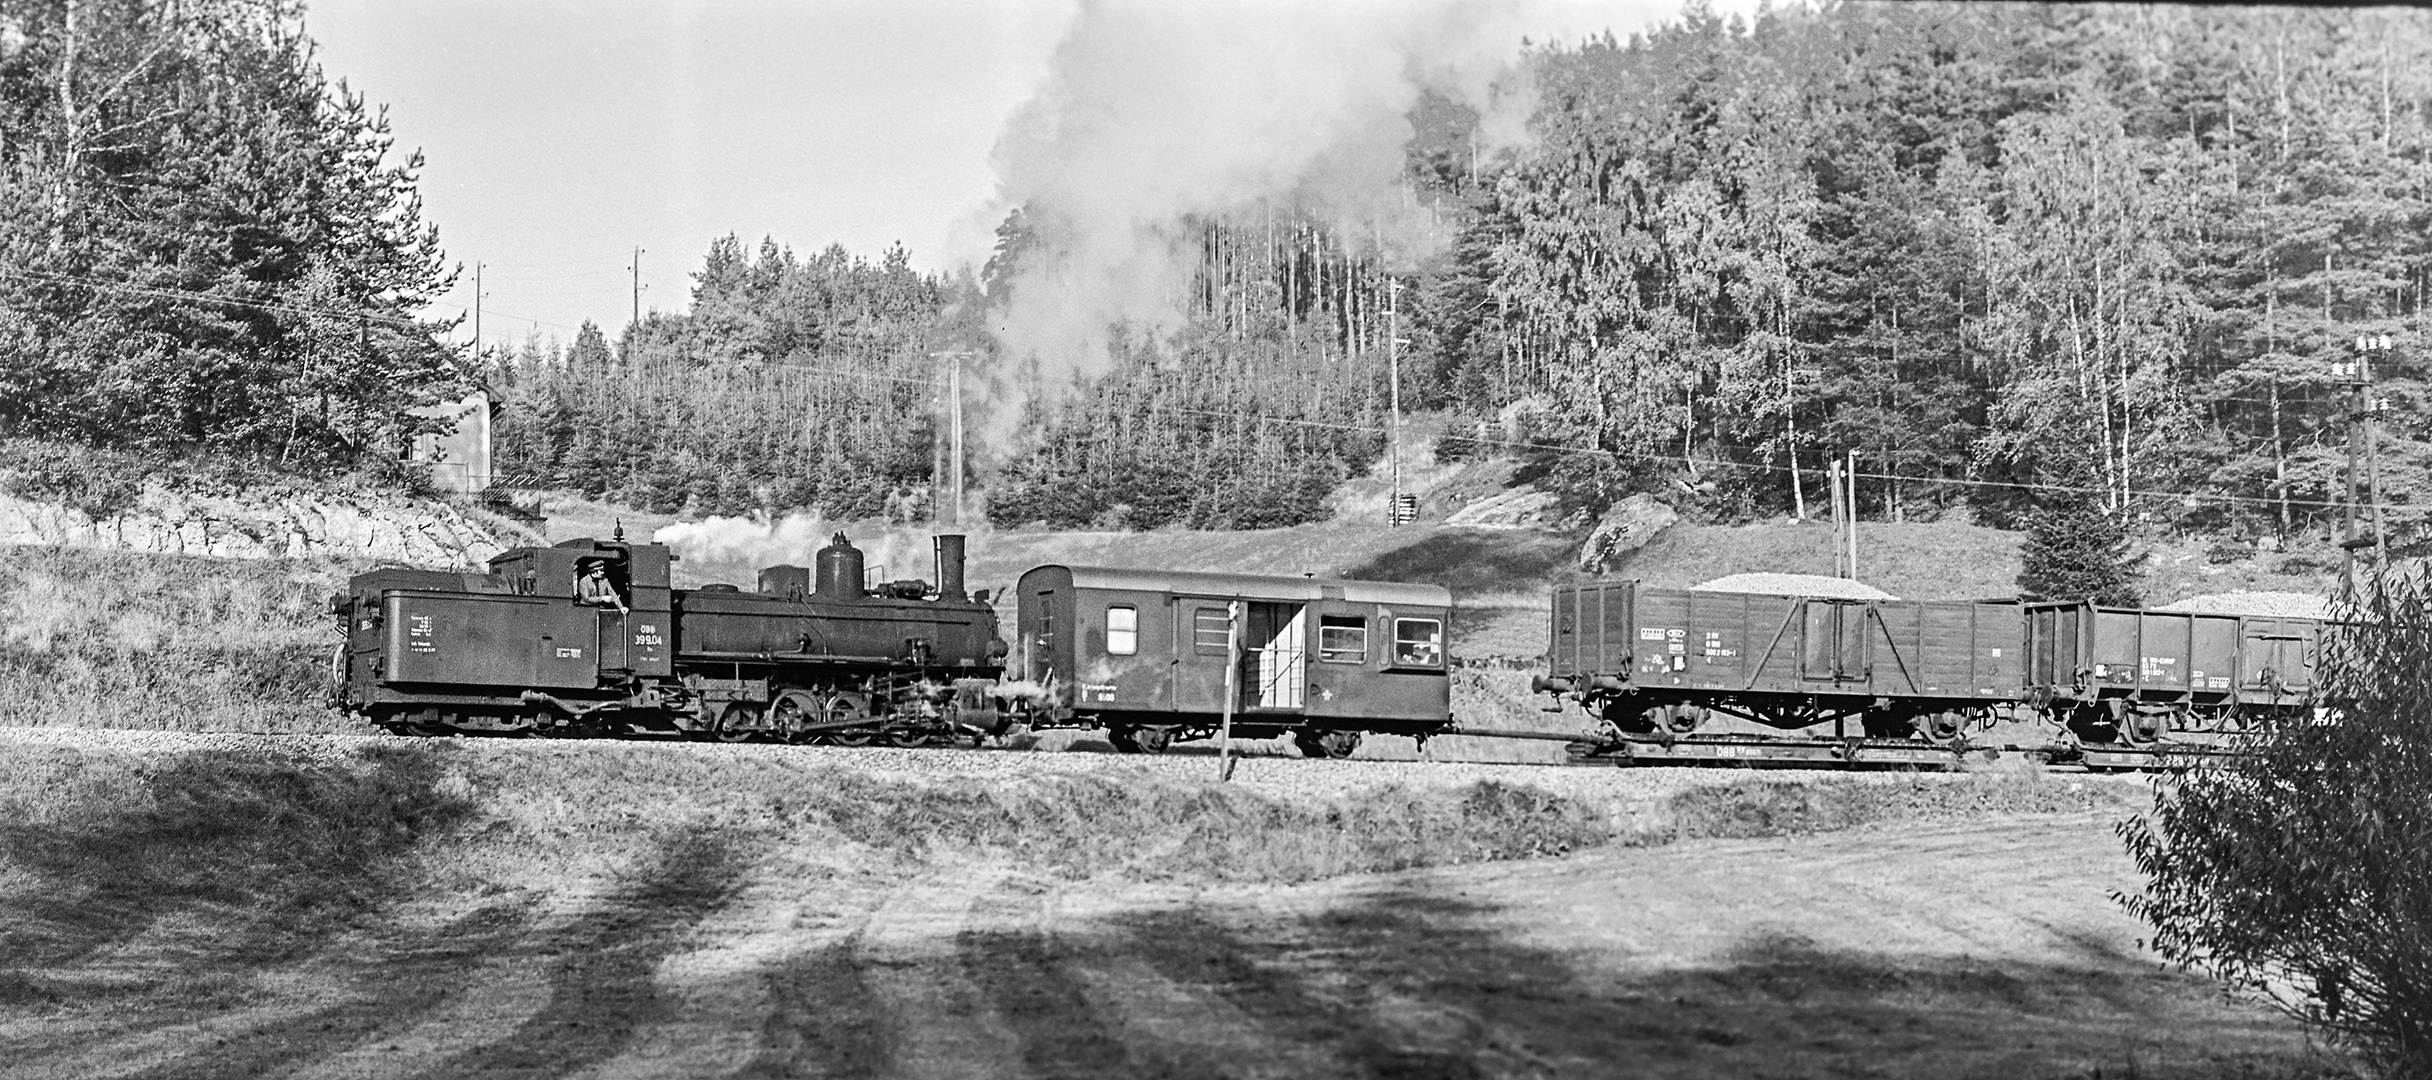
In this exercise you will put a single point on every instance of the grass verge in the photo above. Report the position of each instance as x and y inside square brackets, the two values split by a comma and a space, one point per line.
[164, 642]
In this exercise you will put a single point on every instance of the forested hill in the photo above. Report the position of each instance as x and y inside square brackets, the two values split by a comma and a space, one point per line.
[2001, 251]
[1995, 249]
[2111, 247]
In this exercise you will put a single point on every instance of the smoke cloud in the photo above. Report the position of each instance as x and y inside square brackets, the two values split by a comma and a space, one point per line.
[1154, 115]
[735, 549]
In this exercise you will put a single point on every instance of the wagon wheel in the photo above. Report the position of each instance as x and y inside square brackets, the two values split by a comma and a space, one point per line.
[1312, 744]
[739, 721]
[1153, 740]
[1121, 739]
[1339, 742]
[1938, 726]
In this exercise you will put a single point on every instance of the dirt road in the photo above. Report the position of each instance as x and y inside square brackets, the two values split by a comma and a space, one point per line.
[1942, 951]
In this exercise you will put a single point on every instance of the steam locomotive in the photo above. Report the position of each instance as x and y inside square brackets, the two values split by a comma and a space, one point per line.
[588, 637]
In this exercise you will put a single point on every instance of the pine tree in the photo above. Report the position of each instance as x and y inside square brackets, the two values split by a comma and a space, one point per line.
[2077, 550]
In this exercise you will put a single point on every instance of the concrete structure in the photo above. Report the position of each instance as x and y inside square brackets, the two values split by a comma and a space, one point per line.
[459, 460]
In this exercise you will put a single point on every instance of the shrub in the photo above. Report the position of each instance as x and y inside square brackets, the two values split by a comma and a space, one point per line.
[2298, 870]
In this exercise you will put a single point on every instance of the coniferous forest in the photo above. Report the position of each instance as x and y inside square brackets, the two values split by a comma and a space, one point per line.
[1995, 250]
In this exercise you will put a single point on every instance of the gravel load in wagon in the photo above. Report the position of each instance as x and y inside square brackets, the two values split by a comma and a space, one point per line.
[1794, 585]
[2286, 605]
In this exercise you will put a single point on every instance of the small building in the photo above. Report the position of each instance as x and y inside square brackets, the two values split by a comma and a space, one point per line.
[458, 458]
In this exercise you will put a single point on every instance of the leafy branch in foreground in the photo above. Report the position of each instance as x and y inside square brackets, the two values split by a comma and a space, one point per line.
[2298, 870]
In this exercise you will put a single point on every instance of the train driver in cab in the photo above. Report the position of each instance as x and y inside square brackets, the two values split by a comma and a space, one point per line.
[591, 586]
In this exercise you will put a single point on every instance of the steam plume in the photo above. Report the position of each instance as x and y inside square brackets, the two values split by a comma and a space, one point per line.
[1156, 114]
[734, 549]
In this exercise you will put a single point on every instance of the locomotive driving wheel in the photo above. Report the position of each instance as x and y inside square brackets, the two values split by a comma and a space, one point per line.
[839, 707]
[791, 712]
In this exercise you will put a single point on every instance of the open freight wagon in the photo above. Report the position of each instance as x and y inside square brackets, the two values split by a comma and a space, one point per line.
[1820, 678]
[2127, 681]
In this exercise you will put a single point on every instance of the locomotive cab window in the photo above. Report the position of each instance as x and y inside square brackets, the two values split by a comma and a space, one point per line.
[1418, 642]
[1211, 630]
[1122, 630]
[1342, 639]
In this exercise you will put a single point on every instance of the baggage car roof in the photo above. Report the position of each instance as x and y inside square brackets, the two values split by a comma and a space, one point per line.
[1252, 586]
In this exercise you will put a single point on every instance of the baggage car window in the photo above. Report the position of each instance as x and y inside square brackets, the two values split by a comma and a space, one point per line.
[1418, 642]
[1342, 639]
[1210, 629]
[1122, 630]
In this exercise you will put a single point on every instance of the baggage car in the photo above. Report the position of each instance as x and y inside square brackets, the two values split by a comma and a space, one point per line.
[1145, 654]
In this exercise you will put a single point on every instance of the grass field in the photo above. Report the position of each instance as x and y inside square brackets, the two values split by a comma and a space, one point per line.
[308, 907]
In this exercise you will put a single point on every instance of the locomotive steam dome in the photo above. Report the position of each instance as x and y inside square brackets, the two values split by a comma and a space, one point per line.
[839, 570]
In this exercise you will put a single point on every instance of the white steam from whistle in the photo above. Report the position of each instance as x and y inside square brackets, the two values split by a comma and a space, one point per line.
[1154, 115]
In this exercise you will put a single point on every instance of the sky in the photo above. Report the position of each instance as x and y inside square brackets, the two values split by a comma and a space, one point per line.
[558, 136]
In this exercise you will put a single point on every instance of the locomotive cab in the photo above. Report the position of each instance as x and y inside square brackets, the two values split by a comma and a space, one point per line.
[633, 611]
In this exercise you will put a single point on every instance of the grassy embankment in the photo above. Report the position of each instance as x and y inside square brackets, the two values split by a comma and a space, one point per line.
[124, 639]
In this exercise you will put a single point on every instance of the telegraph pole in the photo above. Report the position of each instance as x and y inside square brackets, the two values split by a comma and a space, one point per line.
[1849, 489]
[476, 309]
[637, 288]
[2358, 374]
[1395, 514]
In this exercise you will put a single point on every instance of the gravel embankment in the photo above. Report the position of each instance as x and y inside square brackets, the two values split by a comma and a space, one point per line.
[1280, 776]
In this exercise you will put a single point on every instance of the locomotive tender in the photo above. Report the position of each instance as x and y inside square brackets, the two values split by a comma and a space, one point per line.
[532, 648]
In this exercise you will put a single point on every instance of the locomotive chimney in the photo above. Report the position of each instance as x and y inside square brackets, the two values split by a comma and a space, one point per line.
[839, 570]
[950, 567]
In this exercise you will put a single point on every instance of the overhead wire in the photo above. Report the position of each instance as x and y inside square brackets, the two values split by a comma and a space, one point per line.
[1513, 444]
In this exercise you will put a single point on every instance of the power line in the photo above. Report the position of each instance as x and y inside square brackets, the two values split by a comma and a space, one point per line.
[1511, 444]
[168, 293]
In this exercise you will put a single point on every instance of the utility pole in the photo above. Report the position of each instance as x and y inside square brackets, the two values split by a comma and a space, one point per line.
[2358, 374]
[476, 309]
[1396, 511]
[637, 288]
[1849, 489]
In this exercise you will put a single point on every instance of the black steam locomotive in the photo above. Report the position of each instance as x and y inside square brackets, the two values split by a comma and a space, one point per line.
[588, 637]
